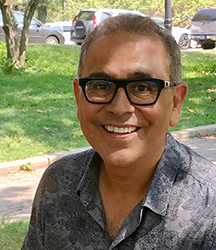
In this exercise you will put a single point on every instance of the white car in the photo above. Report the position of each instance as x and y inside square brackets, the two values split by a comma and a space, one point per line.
[64, 27]
[181, 35]
[87, 19]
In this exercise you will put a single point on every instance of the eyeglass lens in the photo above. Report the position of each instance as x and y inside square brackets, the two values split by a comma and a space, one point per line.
[102, 91]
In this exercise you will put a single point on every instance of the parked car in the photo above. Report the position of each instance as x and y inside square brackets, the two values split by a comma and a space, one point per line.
[38, 33]
[63, 27]
[86, 20]
[181, 35]
[203, 28]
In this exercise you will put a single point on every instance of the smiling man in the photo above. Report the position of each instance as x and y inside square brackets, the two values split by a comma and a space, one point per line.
[137, 188]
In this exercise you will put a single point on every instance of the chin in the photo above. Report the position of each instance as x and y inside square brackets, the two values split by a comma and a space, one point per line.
[119, 158]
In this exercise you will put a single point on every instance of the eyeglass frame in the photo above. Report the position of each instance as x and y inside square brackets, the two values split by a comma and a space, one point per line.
[123, 83]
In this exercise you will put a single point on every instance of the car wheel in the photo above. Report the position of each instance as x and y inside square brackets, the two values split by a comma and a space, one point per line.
[51, 40]
[184, 42]
[81, 28]
[208, 45]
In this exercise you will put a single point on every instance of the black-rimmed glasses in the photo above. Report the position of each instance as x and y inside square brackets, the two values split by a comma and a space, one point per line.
[138, 91]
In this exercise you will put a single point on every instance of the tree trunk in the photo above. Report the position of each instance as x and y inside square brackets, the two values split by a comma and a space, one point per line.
[42, 13]
[16, 52]
[10, 28]
[29, 12]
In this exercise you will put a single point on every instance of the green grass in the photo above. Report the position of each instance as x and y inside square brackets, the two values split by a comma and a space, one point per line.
[13, 234]
[199, 72]
[38, 110]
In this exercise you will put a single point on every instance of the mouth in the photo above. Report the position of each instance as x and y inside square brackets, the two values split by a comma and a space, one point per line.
[120, 130]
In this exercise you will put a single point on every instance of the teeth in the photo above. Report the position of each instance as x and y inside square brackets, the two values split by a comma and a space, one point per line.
[120, 130]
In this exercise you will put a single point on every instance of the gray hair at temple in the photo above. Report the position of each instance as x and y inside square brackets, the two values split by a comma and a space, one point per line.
[136, 24]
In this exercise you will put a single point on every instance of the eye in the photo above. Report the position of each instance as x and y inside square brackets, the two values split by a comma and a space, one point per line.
[99, 85]
[141, 87]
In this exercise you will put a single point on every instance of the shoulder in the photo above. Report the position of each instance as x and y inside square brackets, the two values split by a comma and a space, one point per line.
[72, 162]
[66, 171]
[197, 167]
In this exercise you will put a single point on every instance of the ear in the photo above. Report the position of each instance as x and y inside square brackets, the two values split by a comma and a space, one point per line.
[77, 93]
[76, 90]
[179, 95]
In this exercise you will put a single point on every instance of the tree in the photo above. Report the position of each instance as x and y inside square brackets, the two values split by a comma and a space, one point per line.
[16, 49]
[42, 11]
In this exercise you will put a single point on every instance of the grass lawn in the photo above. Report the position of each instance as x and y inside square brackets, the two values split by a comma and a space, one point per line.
[13, 234]
[38, 110]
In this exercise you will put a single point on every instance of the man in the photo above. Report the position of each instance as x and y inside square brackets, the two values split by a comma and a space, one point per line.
[137, 188]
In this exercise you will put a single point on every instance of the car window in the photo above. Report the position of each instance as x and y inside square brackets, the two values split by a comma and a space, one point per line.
[206, 14]
[158, 21]
[34, 22]
[87, 15]
[19, 17]
[58, 28]
[104, 15]
[66, 28]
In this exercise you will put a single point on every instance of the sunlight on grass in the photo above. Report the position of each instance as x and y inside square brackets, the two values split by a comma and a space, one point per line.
[12, 127]
[196, 100]
[8, 112]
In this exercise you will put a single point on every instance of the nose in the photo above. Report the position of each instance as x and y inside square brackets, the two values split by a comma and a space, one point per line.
[120, 104]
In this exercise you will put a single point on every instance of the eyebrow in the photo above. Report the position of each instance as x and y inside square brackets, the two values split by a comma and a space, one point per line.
[100, 75]
[132, 75]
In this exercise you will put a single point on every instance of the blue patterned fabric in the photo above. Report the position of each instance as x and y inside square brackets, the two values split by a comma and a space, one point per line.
[178, 212]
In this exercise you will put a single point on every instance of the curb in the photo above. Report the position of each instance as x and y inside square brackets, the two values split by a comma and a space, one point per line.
[37, 162]
[200, 131]
[45, 160]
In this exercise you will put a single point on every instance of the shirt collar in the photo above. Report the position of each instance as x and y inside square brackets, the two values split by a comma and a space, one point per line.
[157, 198]
[88, 185]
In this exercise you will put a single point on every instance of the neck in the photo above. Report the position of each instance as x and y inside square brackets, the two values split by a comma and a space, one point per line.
[126, 180]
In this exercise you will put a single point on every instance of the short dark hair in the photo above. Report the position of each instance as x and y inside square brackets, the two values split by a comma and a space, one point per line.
[136, 24]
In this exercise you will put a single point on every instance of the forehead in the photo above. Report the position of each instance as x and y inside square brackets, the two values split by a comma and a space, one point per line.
[121, 55]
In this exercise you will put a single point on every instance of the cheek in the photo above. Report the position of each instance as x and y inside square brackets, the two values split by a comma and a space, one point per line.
[87, 113]
[159, 114]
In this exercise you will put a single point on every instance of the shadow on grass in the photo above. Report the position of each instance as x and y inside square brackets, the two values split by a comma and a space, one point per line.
[38, 113]
[199, 106]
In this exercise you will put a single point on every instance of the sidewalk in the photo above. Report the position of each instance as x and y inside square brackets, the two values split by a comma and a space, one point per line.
[17, 188]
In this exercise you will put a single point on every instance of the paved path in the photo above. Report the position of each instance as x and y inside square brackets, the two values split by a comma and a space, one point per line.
[16, 194]
[204, 146]
[17, 189]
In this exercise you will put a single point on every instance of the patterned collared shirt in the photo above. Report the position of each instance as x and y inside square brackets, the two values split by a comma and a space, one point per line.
[178, 212]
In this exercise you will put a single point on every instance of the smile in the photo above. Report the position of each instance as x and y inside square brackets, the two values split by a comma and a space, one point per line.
[120, 130]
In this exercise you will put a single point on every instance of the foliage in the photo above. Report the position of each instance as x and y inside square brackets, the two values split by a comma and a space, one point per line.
[12, 234]
[3, 54]
[181, 9]
[38, 109]
[26, 167]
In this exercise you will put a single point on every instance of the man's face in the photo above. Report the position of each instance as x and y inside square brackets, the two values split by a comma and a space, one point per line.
[139, 131]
